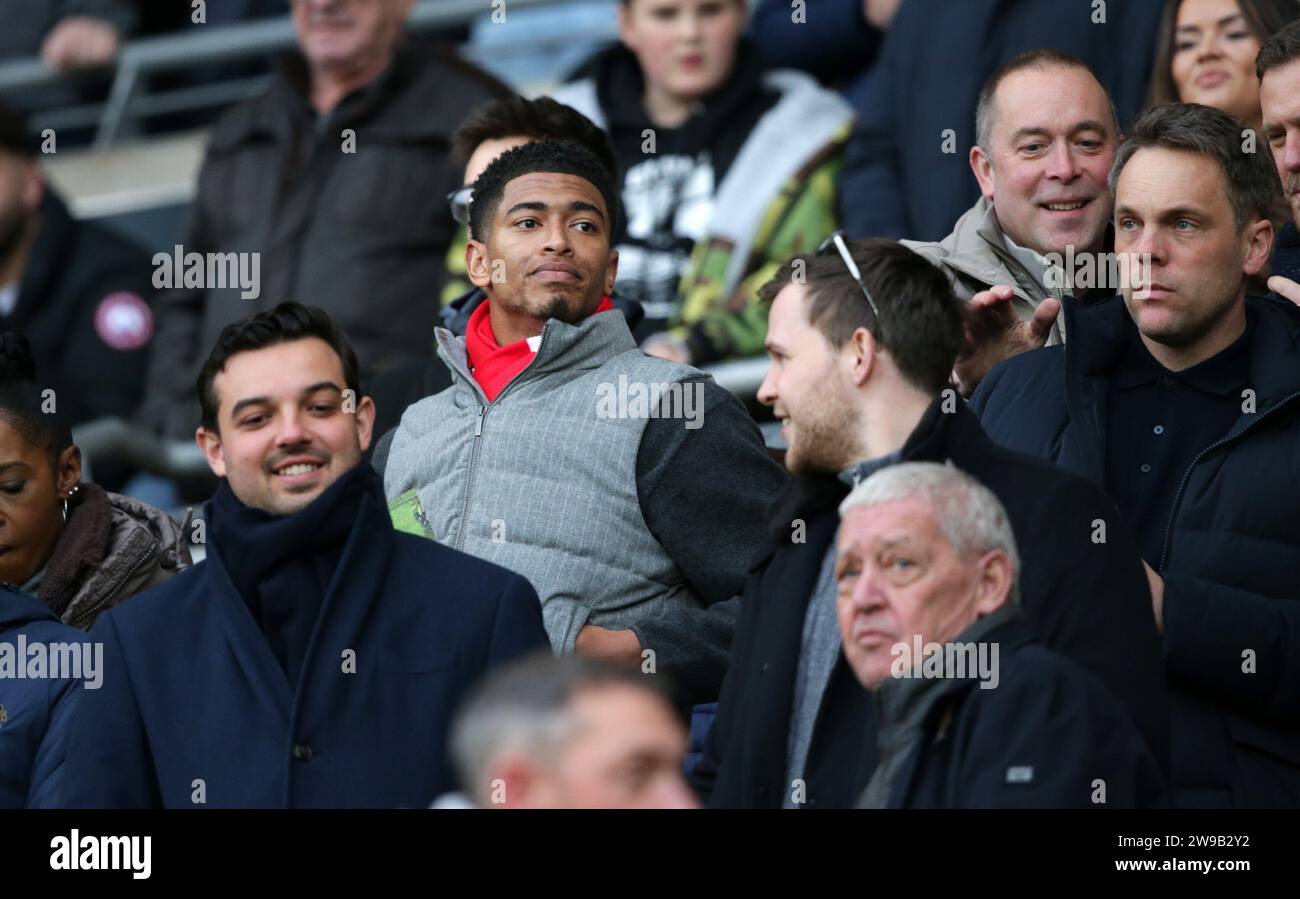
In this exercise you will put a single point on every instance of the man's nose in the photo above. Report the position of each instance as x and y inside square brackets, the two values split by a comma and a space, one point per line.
[767, 393]
[290, 430]
[1061, 164]
[1291, 151]
[557, 238]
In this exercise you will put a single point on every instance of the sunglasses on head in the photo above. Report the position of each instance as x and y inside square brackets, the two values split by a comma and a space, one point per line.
[836, 242]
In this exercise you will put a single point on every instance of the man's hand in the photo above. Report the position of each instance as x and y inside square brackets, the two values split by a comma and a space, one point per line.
[1157, 584]
[620, 647]
[1285, 288]
[80, 42]
[995, 332]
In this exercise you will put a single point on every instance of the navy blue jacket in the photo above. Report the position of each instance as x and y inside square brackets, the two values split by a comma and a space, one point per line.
[1231, 548]
[195, 705]
[1042, 738]
[901, 178]
[34, 713]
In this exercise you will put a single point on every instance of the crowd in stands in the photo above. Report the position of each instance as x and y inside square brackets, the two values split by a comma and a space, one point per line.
[481, 533]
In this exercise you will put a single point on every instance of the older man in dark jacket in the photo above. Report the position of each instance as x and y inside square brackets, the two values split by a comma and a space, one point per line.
[1182, 399]
[971, 713]
[794, 726]
[337, 177]
[315, 657]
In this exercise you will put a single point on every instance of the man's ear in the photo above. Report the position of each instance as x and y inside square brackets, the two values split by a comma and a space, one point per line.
[995, 581]
[863, 355]
[611, 272]
[365, 422]
[210, 443]
[1258, 246]
[982, 166]
[477, 264]
[67, 470]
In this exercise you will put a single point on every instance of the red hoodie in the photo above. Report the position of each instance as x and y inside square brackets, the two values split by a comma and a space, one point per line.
[495, 366]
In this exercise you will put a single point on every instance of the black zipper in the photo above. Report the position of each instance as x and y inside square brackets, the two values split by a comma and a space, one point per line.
[117, 587]
[1222, 441]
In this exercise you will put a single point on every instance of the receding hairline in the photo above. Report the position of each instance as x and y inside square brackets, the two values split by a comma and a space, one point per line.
[1048, 65]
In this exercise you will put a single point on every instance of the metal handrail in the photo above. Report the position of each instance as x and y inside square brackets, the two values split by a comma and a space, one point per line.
[222, 44]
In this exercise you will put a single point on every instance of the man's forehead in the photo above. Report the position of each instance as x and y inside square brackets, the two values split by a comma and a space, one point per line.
[1041, 97]
[908, 519]
[1167, 177]
[278, 370]
[1279, 93]
[550, 187]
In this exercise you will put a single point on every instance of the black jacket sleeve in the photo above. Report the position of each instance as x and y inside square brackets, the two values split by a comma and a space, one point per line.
[704, 492]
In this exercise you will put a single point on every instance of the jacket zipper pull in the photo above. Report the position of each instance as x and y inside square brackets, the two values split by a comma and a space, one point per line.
[478, 425]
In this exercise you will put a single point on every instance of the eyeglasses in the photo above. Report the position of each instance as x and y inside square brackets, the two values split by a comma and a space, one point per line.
[460, 198]
[836, 240]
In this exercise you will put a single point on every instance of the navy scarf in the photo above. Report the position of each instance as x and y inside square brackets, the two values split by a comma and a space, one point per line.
[283, 565]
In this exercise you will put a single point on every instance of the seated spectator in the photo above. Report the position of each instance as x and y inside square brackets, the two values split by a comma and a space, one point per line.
[726, 170]
[335, 178]
[1278, 66]
[76, 290]
[493, 128]
[857, 392]
[327, 651]
[972, 713]
[550, 732]
[36, 711]
[1206, 49]
[635, 521]
[1046, 134]
[904, 173]
[77, 548]
[1182, 399]
[66, 34]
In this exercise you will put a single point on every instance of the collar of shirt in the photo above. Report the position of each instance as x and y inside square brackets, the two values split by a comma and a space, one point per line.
[1221, 374]
[1029, 260]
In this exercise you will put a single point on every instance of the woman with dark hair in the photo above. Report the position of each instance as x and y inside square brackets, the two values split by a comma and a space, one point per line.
[1205, 53]
[76, 547]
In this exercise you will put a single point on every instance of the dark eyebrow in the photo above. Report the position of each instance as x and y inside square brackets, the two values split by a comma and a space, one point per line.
[266, 400]
[584, 206]
[4, 468]
[1223, 21]
[539, 206]
[1090, 125]
[534, 205]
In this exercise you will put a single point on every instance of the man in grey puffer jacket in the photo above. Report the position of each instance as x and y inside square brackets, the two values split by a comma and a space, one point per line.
[629, 490]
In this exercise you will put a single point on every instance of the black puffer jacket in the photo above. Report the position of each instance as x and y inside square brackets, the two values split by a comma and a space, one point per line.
[1231, 547]
[362, 234]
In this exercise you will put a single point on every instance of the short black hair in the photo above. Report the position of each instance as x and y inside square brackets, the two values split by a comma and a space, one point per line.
[1254, 189]
[285, 323]
[1282, 47]
[922, 326]
[13, 133]
[22, 404]
[542, 119]
[557, 156]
